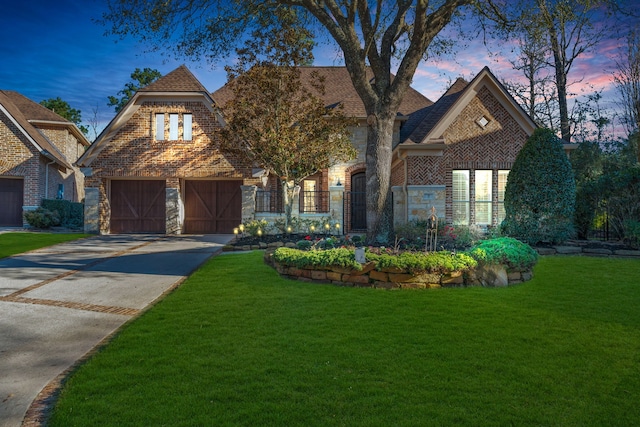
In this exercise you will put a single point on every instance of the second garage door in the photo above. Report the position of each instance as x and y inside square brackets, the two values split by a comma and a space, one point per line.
[138, 206]
[212, 206]
[11, 199]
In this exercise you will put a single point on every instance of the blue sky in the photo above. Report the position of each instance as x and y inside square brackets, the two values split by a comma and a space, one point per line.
[55, 49]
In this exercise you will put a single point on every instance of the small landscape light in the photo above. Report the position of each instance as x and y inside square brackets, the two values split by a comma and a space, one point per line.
[338, 226]
[312, 228]
[235, 231]
[259, 232]
[241, 227]
[327, 226]
[289, 229]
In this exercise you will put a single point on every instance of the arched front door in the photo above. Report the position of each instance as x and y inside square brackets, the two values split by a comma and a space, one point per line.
[358, 202]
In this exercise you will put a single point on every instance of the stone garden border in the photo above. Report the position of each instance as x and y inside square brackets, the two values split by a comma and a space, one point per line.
[394, 278]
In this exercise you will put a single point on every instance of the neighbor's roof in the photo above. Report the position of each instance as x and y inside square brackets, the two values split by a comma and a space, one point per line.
[24, 113]
[339, 90]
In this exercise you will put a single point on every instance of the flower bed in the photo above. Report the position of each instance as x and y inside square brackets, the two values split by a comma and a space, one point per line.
[497, 262]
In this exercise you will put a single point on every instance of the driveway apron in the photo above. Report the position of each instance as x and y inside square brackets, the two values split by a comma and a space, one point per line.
[58, 303]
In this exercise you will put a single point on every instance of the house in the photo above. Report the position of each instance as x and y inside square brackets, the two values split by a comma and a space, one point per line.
[38, 149]
[157, 167]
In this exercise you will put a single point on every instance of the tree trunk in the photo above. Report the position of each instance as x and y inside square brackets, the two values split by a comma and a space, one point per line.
[289, 197]
[378, 174]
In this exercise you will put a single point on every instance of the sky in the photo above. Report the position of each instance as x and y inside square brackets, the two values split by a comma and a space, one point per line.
[51, 49]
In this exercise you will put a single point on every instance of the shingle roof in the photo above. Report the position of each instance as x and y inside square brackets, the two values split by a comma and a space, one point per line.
[23, 110]
[437, 111]
[179, 80]
[339, 90]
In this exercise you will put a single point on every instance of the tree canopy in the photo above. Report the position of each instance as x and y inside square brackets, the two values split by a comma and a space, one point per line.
[139, 79]
[63, 109]
[277, 121]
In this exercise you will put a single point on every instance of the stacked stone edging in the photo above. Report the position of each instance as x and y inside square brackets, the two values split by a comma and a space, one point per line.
[394, 278]
[582, 248]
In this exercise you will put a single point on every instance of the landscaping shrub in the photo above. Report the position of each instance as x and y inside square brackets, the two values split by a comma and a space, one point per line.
[540, 193]
[42, 218]
[341, 257]
[415, 262]
[459, 236]
[506, 251]
[254, 225]
[71, 214]
[632, 233]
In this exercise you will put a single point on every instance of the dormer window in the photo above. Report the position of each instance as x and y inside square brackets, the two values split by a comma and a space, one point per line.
[174, 127]
[482, 122]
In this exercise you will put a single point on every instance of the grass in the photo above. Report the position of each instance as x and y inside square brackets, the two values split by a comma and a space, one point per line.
[238, 345]
[19, 242]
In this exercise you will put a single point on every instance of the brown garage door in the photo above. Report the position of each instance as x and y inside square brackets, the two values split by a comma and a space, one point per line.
[11, 200]
[138, 206]
[212, 206]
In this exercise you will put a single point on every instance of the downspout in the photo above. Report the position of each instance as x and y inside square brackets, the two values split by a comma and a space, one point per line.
[46, 174]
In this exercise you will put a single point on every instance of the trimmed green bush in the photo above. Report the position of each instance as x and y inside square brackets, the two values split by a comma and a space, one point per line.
[506, 251]
[340, 257]
[42, 218]
[540, 195]
[71, 214]
[415, 262]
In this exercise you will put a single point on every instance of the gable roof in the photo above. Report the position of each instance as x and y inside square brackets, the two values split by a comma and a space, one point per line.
[179, 84]
[441, 114]
[339, 89]
[24, 113]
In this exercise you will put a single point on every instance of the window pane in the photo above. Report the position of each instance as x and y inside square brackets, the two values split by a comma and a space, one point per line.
[186, 127]
[503, 175]
[460, 197]
[160, 127]
[173, 127]
[483, 196]
[309, 195]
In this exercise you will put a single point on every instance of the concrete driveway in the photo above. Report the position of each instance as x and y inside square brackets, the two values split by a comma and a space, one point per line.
[58, 303]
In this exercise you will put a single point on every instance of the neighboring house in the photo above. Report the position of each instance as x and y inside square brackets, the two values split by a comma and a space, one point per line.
[157, 167]
[38, 149]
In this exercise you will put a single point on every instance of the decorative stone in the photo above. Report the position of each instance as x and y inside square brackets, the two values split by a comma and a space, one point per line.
[546, 251]
[318, 275]
[527, 275]
[355, 279]
[597, 251]
[514, 275]
[290, 245]
[428, 277]
[455, 278]
[262, 245]
[568, 250]
[275, 245]
[628, 253]
[492, 275]
[333, 276]
[401, 277]
[379, 276]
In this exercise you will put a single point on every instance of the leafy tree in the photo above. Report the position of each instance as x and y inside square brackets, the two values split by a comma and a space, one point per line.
[375, 35]
[540, 195]
[62, 108]
[563, 30]
[627, 81]
[274, 120]
[140, 78]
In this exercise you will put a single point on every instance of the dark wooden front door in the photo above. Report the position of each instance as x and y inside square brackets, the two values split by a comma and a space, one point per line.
[358, 202]
[138, 206]
[212, 207]
[11, 200]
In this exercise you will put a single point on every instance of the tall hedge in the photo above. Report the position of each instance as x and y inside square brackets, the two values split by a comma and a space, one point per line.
[541, 191]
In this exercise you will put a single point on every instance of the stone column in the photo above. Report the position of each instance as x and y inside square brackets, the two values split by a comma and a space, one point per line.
[399, 206]
[336, 205]
[92, 210]
[248, 202]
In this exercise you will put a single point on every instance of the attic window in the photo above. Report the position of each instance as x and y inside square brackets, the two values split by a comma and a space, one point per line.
[482, 122]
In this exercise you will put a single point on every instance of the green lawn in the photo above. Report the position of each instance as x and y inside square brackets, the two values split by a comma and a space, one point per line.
[237, 345]
[18, 242]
